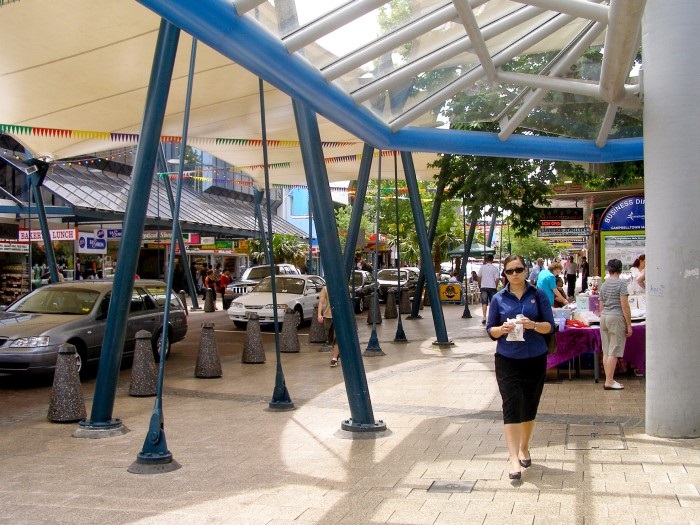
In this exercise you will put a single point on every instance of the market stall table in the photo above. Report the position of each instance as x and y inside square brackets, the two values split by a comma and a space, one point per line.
[573, 342]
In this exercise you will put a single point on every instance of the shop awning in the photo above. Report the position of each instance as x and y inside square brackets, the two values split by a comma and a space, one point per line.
[477, 250]
[98, 196]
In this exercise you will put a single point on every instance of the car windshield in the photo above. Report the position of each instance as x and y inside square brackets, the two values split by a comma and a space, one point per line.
[358, 278]
[282, 285]
[60, 300]
[258, 272]
[390, 275]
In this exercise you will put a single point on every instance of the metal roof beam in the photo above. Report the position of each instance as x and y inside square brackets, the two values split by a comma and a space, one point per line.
[552, 25]
[565, 85]
[243, 6]
[390, 41]
[558, 69]
[578, 8]
[606, 126]
[621, 45]
[439, 56]
[328, 23]
[471, 26]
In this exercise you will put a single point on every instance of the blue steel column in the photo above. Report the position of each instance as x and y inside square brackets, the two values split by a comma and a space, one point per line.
[425, 252]
[357, 207]
[36, 179]
[362, 417]
[257, 197]
[134, 220]
[437, 203]
[181, 245]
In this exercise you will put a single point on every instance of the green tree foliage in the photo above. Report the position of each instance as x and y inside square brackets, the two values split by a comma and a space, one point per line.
[515, 185]
[531, 247]
[286, 248]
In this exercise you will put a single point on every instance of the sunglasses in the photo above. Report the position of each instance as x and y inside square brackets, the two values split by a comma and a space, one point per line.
[518, 270]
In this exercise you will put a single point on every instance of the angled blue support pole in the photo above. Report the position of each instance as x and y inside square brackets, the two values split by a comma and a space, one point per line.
[169, 189]
[466, 314]
[415, 306]
[494, 217]
[155, 457]
[281, 400]
[425, 252]
[181, 244]
[38, 169]
[362, 417]
[400, 336]
[310, 263]
[257, 198]
[134, 220]
[373, 348]
[357, 207]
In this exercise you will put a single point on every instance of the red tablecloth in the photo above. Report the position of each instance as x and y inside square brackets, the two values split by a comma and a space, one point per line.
[576, 341]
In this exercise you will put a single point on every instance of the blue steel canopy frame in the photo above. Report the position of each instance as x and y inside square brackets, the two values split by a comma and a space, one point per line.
[110, 360]
[216, 23]
[362, 416]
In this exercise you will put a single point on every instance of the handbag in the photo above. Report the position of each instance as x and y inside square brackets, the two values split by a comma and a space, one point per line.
[550, 339]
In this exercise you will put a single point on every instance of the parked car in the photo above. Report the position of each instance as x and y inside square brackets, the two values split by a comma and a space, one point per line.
[298, 292]
[361, 288]
[390, 277]
[33, 327]
[252, 276]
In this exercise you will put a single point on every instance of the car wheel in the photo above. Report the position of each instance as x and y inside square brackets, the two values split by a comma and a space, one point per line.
[360, 304]
[240, 324]
[298, 316]
[80, 359]
[157, 342]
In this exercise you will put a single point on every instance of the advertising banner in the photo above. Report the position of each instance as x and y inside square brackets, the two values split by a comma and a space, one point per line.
[88, 243]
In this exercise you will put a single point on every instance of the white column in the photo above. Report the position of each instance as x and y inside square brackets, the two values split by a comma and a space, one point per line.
[671, 78]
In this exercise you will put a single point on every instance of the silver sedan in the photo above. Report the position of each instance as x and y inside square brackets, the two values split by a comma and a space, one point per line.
[298, 292]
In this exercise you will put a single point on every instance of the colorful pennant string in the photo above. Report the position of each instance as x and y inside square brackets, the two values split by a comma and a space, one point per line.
[12, 129]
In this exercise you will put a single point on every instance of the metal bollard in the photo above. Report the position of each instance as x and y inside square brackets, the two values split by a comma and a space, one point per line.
[370, 312]
[208, 363]
[253, 351]
[209, 304]
[289, 339]
[144, 374]
[67, 404]
[390, 308]
[183, 298]
[316, 332]
[405, 301]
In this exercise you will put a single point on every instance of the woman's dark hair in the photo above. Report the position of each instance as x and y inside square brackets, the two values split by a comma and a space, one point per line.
[614, 266]
[512, 258]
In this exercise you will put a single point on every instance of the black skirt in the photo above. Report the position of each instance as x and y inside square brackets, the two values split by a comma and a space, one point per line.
[520, 382]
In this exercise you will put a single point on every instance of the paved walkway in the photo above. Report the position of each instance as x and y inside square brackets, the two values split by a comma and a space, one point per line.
[441, 461]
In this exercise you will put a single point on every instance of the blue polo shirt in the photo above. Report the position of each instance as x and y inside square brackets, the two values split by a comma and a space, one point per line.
[547, 282]
[505, 305]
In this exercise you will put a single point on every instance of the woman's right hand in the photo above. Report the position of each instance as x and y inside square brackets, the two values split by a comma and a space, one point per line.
[507, 327]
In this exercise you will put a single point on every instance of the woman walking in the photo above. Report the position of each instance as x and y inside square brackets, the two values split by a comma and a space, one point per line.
[615, 321]
[519, 317]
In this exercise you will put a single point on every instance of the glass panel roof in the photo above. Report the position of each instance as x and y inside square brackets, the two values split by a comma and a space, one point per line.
[439, 63]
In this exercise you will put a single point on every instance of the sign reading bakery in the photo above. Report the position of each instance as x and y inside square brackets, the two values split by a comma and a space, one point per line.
[69, 234]
[624, 214]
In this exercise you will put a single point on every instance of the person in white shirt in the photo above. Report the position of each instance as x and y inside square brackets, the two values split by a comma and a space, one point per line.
[488, 283]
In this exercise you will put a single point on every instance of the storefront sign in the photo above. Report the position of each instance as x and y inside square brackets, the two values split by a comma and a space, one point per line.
[70, 234]
[562, 232]
[624, 214]
[88, 243]
[14, 247]
[157, 235]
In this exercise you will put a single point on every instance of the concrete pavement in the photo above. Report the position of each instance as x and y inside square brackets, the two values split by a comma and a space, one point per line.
[441, 461]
